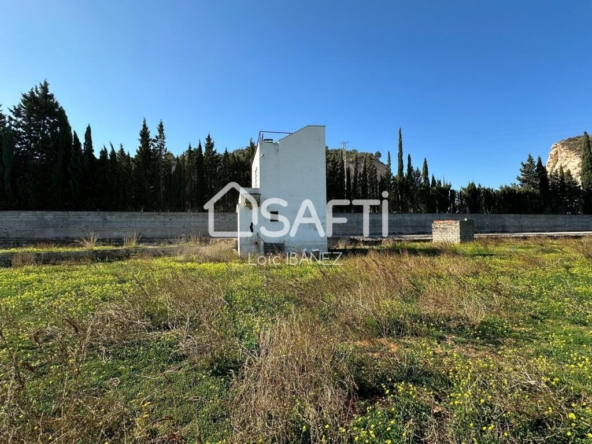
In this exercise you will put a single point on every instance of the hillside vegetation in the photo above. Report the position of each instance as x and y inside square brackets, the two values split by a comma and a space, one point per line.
[486, 342]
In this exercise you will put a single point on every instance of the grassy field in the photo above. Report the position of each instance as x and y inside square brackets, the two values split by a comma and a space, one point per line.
[486, 342]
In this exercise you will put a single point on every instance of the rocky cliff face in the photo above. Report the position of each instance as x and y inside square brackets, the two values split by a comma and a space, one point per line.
[567, 153]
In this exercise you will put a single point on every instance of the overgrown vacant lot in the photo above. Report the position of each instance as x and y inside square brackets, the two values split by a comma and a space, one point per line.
[487, 342]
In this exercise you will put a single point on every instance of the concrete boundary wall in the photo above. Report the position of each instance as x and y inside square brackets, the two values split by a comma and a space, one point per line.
[51, 226]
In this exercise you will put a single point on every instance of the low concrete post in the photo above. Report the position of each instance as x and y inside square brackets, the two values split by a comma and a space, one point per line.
[453, 231]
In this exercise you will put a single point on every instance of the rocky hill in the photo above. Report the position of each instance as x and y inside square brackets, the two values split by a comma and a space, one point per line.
[375, 159]
[567, 153]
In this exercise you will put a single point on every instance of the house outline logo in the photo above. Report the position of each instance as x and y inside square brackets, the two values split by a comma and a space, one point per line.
[210, 207]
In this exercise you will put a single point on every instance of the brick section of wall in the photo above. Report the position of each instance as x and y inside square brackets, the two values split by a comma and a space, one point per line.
[52, 226]
[453, 231]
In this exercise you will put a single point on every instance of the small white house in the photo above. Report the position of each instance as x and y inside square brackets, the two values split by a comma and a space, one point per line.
[288, 195]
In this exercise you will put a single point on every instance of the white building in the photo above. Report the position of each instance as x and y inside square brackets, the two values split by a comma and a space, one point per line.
[292, 169]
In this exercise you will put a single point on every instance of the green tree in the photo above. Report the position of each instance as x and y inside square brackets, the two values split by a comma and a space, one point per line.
[160, 151]
[144, 172]
[355, 182]
[586, 175]
[400, 179]
[76, 174]
[528, 176]
[40, 128]
[7, 200]
[543, 186]
[89, 186]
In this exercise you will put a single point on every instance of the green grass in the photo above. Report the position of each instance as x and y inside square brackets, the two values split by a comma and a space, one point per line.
[485, 342]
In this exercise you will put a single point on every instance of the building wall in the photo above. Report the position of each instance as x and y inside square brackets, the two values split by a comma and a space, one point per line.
[293, 169]
[52, 226]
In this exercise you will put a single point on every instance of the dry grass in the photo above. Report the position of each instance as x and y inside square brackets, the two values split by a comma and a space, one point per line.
[584, 247]
[89, 241]
[22, 259]
[131, 240]
[297, 387]
[211, 252]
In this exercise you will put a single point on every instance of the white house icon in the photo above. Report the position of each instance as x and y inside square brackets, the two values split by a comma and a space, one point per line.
[246, 195]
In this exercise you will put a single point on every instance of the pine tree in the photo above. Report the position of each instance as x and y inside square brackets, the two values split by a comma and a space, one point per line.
[586, 175]
[528, 177]
[144, 172]
[6, 179]
[37, 122]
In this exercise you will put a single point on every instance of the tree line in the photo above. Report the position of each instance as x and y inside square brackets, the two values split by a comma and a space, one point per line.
[353, 175]
[44, 165]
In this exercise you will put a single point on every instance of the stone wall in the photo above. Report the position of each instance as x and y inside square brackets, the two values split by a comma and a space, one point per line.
[453, 231]
[38, 226]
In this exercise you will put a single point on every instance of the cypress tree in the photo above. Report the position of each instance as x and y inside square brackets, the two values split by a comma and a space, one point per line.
[573, 194]
[348, 183]
[200, 179]
[160, 151]
[400, 180]
[426, 188]
[355, 183]
[103, 186]
[210, 168]
[364, 179]
[3, 203]
[410, 189]
[586, 176]
[76, 174]
[124, 161]
[90, 189]
[543, 186]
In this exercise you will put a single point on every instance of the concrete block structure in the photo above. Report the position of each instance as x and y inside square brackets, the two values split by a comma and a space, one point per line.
[453, 231]
[291, 169]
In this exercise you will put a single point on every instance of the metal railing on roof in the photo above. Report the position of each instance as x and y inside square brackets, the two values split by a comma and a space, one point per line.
[263, 138]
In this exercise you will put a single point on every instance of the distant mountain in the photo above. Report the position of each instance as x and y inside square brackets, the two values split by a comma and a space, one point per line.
[381, 168]
[567, 153]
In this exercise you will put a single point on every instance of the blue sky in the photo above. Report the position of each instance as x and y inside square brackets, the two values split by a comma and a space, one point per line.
[475, 85]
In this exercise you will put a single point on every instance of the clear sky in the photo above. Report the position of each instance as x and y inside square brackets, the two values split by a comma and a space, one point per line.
[475, 84]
